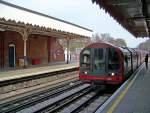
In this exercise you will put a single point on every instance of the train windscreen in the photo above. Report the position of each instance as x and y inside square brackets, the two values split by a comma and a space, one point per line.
[113, 60]
[99, 59]
[99, 62]
[85, 59]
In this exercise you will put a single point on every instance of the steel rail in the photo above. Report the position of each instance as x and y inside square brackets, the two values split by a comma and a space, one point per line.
[32, 77]
[30, 100]
[54, 107]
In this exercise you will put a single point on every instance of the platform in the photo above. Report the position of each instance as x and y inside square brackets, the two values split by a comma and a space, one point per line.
[132, 96]
[19, 73]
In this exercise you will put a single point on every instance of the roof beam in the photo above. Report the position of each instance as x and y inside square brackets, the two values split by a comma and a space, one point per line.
[145, 14]
[121, 2]
[140, 18]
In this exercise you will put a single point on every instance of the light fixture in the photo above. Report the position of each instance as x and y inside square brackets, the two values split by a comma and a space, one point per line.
[112, 74]
[85, 72]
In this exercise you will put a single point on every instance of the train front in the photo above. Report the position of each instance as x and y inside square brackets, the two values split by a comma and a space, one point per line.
[101, 63]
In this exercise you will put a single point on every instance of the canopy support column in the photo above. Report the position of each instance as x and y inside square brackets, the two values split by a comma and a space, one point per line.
[25, 37]
[25, 53]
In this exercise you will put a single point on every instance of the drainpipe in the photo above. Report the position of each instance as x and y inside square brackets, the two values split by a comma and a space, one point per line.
[67, 50]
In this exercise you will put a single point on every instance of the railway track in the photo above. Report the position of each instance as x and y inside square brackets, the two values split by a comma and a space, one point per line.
[92, 104]
[70, 97]
[85, 102]
[32, 99]
[64, 101]
[51, 101]
[18, 83]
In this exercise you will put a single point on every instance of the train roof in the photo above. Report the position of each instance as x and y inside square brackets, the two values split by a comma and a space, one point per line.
[101, 44]
[123, 49]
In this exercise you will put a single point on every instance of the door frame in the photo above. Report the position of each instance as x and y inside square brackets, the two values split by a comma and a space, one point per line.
[13, 45]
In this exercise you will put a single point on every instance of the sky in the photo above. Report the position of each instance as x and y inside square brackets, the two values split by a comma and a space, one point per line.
[83, 13]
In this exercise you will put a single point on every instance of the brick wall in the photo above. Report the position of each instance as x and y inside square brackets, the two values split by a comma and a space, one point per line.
[43, 48]
[37, 50]
[16, 39]
[1, 50]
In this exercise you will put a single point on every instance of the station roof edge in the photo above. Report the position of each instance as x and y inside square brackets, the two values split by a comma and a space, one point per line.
[41, 14]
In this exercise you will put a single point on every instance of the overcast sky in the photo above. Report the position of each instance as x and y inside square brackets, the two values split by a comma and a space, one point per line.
[83, 13]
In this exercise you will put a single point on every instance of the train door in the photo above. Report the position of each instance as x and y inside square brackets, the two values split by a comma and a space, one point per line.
[113, 62]
[11, 55]
[99, 61]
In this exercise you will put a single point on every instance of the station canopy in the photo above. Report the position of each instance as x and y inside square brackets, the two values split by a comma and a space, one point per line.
[10, 13]
[134, 15]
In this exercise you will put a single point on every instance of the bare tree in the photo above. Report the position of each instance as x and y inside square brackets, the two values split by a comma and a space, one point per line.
[87, 41]
[145, 45]
[62, 42]
[120, 42]
[105, 37]
[74, 43]
[97, 38]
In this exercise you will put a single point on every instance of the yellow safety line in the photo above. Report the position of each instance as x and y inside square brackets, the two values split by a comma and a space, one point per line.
[120, 97]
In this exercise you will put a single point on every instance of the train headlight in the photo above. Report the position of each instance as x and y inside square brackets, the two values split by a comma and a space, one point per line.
[112, 74]
[85, 72]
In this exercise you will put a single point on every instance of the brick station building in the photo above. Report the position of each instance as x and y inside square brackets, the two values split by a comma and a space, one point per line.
[30, 38]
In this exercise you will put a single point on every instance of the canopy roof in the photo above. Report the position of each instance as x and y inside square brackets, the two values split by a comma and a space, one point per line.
[134, 15]
[28, 17]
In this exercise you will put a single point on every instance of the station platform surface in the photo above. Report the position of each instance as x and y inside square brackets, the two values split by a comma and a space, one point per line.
[133, 97]
[19, 73]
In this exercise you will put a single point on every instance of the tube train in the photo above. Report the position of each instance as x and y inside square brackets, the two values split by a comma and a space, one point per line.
[103, 63]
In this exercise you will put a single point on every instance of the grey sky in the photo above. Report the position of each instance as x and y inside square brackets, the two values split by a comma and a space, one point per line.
[83, 13]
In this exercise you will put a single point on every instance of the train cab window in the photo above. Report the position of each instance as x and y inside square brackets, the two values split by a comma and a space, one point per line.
[85, 58]
[99, 58]
[113, 60]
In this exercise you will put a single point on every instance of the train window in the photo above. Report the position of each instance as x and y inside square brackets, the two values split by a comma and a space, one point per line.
[85, 58]
[113, 60]
[99, 58]
[129, 58]
[126, 58]
[134, 56]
